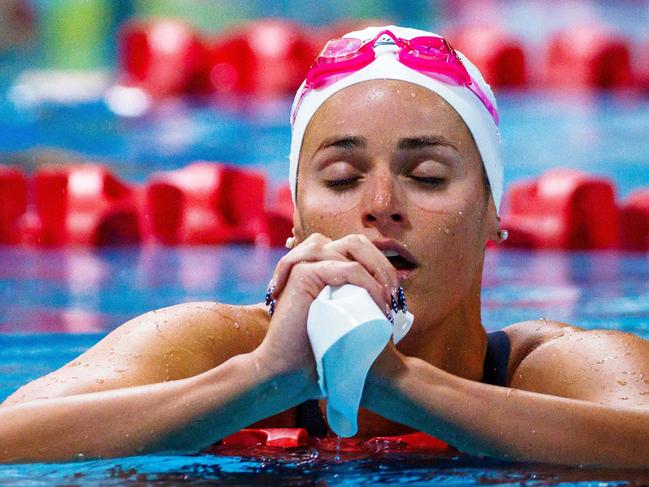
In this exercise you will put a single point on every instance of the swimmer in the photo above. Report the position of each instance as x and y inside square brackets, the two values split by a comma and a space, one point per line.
[397, 179]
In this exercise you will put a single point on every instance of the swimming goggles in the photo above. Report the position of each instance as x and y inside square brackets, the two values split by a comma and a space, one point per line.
[429, 55]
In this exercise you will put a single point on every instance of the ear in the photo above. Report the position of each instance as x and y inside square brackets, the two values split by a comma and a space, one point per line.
[492, 222]
[298, 228]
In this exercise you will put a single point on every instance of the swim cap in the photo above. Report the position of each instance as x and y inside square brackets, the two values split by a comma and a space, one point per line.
[473, 112]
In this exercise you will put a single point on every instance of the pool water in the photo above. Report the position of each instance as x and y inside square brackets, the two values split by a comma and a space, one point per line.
[57, 303]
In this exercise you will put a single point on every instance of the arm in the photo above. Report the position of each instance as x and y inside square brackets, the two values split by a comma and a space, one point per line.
[178, 416]
[181, 378]
[175, 379]
[518, 424]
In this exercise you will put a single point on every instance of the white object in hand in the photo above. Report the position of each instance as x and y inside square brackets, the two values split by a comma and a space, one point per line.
[348, 331]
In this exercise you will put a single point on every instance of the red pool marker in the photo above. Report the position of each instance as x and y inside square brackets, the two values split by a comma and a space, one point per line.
[588, 56]
[641, 63]
[496, 53]
[280, 216]
[161, 56]
[13, 203]
[297, 437]
[83, 205]
[634, 220]
[563, 209]
[206, 203]
[267, 58]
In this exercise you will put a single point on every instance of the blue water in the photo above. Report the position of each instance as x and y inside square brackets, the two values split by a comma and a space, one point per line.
[57, 303]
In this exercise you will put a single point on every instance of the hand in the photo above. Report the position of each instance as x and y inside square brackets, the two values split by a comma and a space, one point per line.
[298, 279]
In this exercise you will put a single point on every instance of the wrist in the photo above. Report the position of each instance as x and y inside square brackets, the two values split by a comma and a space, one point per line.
[278, 372]
[386, 379]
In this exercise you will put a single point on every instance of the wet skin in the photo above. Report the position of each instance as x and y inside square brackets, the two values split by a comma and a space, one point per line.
[392, 160]
[382, 161]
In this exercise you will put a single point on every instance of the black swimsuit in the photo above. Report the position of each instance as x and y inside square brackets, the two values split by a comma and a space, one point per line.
[496, 361]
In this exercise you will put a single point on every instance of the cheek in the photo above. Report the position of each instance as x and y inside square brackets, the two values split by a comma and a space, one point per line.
[327, 216]
[455, 242]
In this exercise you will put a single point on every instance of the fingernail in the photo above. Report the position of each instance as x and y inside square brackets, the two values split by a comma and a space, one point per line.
[402, 300]
[269, 293]
[395, 306]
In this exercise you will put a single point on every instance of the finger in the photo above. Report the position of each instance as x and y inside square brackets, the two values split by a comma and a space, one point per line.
[359, 248]
[311, 250]
[312, 277]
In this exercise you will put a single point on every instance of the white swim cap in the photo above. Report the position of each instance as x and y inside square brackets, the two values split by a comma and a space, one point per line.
[477, 118]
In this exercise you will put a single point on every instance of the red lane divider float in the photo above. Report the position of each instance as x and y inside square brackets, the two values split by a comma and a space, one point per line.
[264, 58]
[563, 209]
[286, 438]
[209, 203]
[498, 55]
[269, 57]
[163, 57]
[13, 203]
[203, 203]
[588, 56]
[634, 217]
[81, 205]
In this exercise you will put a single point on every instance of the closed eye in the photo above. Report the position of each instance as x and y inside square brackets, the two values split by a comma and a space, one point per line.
[342, 183]
[428, 180]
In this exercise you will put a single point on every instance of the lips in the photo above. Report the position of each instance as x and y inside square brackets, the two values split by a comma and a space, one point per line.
[400, 258]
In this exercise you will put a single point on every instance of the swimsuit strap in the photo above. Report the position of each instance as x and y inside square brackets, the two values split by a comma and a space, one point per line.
[496, 362]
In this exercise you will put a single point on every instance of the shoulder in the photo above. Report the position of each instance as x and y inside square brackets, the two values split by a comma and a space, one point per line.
[527, 336]
[189, 338]
[605, 366]
[166, 344]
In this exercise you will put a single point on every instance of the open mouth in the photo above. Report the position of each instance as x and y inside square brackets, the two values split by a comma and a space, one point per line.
[398, 261]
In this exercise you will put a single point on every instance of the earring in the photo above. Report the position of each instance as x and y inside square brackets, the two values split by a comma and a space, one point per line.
[502, 235]
[290, 243]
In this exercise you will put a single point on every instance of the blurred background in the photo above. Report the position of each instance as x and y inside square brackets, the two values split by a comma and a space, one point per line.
[562, 70]
[105, 106]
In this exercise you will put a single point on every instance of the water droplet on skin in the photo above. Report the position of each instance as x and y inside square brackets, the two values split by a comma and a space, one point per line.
[99, 381]
[74, 364]
[236, 325]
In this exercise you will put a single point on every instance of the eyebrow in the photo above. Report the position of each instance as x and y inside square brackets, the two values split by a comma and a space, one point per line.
[418, 143]
[347, 142]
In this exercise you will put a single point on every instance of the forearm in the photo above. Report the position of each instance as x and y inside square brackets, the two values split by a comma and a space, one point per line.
[178, 416]
[511, 424]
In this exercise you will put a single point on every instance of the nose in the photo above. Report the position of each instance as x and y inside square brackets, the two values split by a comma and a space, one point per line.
[383, 202]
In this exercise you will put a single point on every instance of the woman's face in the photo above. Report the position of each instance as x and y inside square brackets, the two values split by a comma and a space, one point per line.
[393, 161]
